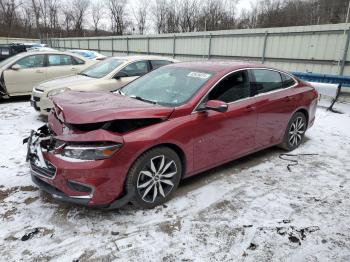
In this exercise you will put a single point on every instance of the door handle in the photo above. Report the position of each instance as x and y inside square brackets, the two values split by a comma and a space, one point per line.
[74, 69]
[39, 71]
[250, 108]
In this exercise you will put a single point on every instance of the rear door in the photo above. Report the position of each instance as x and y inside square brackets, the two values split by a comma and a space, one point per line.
[274, 103]
[33, 70]
[219, 137]
[60, 65]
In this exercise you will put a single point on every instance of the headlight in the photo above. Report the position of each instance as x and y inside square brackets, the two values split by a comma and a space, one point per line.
[90, 152]
[57, 91]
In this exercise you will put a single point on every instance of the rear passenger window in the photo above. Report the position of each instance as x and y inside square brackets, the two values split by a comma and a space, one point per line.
[59, 60]
[265, 81]
[159, 63]
[287, 81]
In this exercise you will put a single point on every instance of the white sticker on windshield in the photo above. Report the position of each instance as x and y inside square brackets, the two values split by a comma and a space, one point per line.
[199, 75]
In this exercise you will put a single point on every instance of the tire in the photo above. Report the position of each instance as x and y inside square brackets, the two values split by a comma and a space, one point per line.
[154, 176]
[295, 132]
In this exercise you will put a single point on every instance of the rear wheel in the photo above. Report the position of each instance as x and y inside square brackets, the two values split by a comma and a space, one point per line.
[154, 177]
[295, 132]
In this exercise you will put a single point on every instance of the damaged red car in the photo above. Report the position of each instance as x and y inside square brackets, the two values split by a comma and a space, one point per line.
[135, 145]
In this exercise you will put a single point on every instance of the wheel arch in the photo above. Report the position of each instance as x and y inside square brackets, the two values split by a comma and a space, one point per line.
[306, 114]
[178, 150]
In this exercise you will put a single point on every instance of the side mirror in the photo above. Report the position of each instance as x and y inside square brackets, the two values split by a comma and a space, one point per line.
[120, 74]
[16, 67]
[216, 105]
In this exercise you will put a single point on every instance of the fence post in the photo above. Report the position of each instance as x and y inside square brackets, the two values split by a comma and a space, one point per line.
[88, 40]
[71, 44]
[345, 54]
[264, 48]
[79, 43]
[174, 42]
[127, 45]
[112, 46]
[64, 44]
[98, 45]
[209, 46]
[148, 45]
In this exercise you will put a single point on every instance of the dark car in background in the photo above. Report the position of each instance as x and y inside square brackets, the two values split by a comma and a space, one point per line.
[8, 50]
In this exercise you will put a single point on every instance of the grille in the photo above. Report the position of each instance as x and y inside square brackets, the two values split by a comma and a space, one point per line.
[36, 99]
[46, 172]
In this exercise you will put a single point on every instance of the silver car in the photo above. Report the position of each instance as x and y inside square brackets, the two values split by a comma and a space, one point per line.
[107, 75]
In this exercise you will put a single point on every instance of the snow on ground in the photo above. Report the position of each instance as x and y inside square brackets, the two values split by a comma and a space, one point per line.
[252, 209]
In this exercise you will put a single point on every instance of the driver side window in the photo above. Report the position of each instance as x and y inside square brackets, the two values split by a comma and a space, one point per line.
[232, 88]
[32, 61]
[136, 69]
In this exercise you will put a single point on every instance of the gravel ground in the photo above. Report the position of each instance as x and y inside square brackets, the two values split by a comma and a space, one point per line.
[252, 209]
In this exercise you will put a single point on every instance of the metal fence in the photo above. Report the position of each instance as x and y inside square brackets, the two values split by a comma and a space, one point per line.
[317, 49]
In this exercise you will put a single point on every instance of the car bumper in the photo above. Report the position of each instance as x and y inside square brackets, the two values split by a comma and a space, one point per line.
[40, 102]
[91, 183]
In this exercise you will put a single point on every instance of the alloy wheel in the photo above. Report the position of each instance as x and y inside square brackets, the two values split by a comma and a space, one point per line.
[296, 131]
[157, 178]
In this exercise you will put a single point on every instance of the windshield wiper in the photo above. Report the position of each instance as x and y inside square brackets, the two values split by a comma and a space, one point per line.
[144, 99]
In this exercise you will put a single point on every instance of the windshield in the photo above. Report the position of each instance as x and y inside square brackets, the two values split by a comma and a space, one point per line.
[167, 86]
[9, 60]
[103, 68]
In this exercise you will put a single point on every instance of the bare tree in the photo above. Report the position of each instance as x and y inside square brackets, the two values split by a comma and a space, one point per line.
[79, 9]
[159, 14]
[188, 15]
[118, 15]
[9, 9]
[140, 15]
[97, 11]
[68, 19]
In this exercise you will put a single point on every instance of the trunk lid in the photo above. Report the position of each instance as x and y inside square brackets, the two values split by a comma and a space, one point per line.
[91, 107]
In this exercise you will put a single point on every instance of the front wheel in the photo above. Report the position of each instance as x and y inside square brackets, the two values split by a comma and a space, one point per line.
[295, 132]
[154, 177]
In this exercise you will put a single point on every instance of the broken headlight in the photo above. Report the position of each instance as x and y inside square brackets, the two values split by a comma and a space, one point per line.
[90, 152]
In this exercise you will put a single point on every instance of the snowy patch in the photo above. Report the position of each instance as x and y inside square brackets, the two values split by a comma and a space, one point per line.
[252, 209]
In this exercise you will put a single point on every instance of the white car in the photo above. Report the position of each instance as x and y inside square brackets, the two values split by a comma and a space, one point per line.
[107, 75]
[20, 73]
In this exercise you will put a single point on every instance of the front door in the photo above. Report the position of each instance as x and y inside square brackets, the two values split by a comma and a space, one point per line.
[31, 72]
[220, 137]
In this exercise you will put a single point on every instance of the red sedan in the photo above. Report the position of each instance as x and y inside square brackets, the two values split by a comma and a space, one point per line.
[135, 145]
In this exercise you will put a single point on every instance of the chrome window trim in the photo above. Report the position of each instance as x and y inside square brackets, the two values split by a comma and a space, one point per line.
[195, 110]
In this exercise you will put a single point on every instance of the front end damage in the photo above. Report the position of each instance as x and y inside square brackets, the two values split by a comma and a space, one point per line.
[74, 180]
[80, 156]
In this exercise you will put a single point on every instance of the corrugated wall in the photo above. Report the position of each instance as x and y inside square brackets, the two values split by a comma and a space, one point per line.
[317, 49]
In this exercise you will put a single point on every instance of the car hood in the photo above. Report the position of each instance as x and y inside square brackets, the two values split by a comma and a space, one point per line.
[65, 81]
[92, 107]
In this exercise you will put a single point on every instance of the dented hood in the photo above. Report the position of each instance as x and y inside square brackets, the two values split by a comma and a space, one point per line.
[92, 107]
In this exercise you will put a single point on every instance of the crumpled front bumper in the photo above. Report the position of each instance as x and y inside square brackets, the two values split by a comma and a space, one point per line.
[65, 181]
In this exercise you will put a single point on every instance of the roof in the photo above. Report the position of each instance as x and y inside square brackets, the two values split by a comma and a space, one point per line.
[218, 66]
[139, 57]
